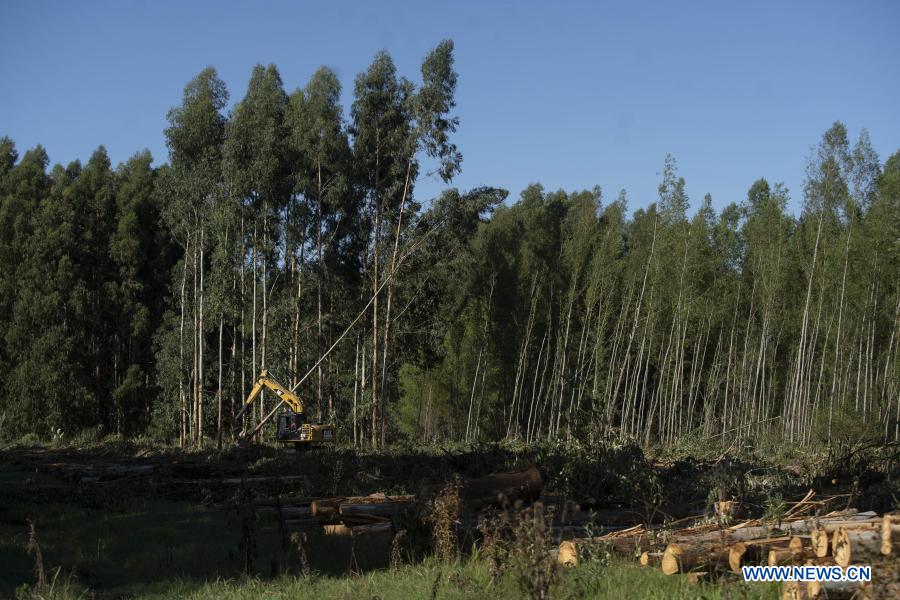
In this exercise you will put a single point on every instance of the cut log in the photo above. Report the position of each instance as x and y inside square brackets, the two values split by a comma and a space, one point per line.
[818, 541]
[290, 512]
[380, 509]
[502, 489]
[853, 545]
[868, 523]
[795, 552]
[325, 507]
[780, 556]
[377, 498]
[671, 559]
[626, 546]
[736, 556]
[695, 577]
[890, 534]
[383, 527]
[743, 532]
[787, 556]
[362, 519]
[339, 530]
[567, 554]
[650, 559]
[751, 552]
[679, 559]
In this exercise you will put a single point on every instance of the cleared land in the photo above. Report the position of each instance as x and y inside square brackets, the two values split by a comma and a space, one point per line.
[123, 521]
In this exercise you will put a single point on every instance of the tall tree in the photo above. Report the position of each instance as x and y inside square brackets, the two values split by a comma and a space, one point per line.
[258, 175]
[323, 180]
[195, 137]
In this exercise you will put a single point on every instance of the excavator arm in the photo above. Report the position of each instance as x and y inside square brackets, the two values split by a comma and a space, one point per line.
[266, 381]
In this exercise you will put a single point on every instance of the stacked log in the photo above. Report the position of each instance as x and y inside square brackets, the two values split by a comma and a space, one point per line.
[680, 558]
[502, 489]
[841, 538]
[890, 534]
[357, 515]
[794, 553]
[754, 552]
[849, 545]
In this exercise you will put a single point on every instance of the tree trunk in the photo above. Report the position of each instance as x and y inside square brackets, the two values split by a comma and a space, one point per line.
[219, 390]
[181, 391]
[200, 343]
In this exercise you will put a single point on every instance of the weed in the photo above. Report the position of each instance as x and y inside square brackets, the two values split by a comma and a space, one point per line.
[494, 548]
[299, 540]
[436, 585]
[444, 517]
[397, 549]
[530, 552]
[34, 548]
[242, 512]
[44, 588]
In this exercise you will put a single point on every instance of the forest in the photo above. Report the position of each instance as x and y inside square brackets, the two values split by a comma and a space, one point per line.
[140, 300]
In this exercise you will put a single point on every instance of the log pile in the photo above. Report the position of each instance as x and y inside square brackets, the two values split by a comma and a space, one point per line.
[276, 494]
[375, 513]
[841, 538]
[339, 516]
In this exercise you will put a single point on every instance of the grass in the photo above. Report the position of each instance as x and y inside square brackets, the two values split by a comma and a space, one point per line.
[108, 547]
[121, 544]
[150, 538]
[122, 547]
[465, 580]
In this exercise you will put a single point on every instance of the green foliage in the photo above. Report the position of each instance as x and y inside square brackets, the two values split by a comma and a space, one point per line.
[144, 300]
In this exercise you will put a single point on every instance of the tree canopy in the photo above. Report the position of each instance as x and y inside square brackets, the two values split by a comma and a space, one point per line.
[142, 300]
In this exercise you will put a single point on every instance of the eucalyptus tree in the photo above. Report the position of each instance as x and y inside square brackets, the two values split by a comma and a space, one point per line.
[60, 330]
[140, 255]
[93, 195]
[392, 123]
[322, 208]
[258, 174]
[767, 233]
[580, 233]
[381, 128]
[193, 187]
[39, 346]
[881, 230]
[833, 353]
[9, 251]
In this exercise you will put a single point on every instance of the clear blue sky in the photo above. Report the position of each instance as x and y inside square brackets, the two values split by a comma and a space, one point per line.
[567, 94]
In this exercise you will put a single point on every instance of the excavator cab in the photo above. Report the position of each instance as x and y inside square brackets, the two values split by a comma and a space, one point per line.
[292, 427]
[289, 425]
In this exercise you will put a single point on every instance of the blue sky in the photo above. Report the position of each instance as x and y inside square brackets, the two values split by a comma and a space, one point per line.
[568, 94]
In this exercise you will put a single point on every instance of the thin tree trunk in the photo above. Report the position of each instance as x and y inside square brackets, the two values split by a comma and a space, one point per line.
[219, 391]
[200, 344]
[181, 391]
[390, 293]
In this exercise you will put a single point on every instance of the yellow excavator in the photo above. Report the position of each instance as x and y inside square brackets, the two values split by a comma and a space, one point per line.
[292, 430]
